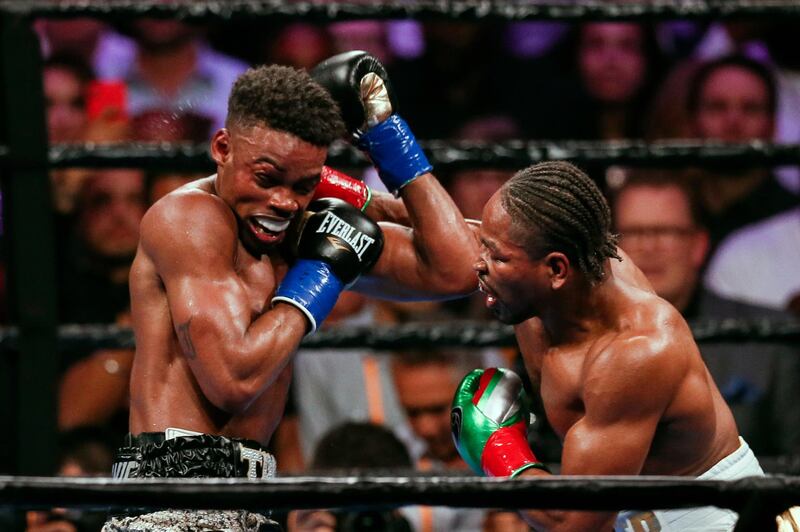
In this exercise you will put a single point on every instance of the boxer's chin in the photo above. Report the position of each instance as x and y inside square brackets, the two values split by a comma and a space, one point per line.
[503, 314]
[509, 316]
[254, 246]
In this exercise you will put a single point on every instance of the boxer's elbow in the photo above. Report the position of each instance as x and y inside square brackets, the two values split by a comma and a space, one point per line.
[231, 390]
[455, 281]
[232, 397]
[450, 273]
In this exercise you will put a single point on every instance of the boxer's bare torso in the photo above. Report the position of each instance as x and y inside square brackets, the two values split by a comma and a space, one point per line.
[164, 389]
[620, 376]
[643, 356]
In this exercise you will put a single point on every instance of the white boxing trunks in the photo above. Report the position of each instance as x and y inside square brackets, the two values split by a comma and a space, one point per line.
[740, 463]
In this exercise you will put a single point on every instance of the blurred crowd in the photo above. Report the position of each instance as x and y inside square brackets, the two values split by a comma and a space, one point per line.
[721, 242]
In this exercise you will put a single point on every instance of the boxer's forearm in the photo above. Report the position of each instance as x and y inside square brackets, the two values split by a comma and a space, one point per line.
[445, 245]
[384, 207]
[234, 362]
[559, 520]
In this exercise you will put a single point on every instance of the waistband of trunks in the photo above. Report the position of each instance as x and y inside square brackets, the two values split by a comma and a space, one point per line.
[153, 455]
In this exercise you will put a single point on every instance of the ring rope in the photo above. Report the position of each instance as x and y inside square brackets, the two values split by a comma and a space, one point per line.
[563, 492]
[419, 9]
[512, 154]
[469, 334]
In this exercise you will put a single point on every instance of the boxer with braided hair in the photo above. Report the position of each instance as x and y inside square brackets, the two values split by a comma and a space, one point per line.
[620, 376]
[559, 198]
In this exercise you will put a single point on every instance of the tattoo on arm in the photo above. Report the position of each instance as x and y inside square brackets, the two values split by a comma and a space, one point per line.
[185, 339]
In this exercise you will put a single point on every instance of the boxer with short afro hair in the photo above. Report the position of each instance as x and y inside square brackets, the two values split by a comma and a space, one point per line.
[286, 99]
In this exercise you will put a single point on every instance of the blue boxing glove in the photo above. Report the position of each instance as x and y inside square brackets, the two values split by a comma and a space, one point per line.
[360, 84]
[336, 244]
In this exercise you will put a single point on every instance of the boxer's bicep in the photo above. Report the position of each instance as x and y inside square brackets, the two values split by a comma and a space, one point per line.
[626, 391]
[209, 307]
[194, 261]
[602, 448]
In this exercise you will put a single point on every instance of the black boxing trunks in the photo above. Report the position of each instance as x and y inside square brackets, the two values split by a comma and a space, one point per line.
[155, 455]
[178, 453]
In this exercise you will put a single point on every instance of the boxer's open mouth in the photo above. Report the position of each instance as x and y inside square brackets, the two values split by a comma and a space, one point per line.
[268, 229]
[491, 297]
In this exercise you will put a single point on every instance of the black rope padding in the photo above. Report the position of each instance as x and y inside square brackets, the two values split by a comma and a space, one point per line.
[580, 493]
[418, 9]
[423, 335]
[454, 154]
[151, 156]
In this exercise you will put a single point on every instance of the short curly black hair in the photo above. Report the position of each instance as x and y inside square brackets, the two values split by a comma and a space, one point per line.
[286, 99]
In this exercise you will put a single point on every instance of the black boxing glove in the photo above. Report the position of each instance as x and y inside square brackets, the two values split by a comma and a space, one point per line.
[336, 244]
[360, 85]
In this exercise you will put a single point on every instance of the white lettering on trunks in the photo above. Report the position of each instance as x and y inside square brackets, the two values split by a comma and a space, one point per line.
[255, 458]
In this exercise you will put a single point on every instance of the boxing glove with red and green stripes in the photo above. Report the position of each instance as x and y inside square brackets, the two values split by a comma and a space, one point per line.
[489, 418]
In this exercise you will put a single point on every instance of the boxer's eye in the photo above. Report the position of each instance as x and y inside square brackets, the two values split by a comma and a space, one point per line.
[266, 180]
[306, 186]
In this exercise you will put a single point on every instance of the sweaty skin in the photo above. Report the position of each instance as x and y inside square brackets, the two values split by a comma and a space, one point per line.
[211, 355]
[621, 378]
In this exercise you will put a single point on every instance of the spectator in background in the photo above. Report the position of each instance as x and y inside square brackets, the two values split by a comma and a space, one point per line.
[367, 35]
[732, 99]
[667, 116]
[466, 74]
[64, 80]
[616, 64]
[301, 45]
[607, 74]
[660, 226]
[95, 277]
[89, 39]
[94, 289]
[172, 68]
[355, 448]
[84, 452]
[759, 264]
[331, 387]
[425, 382]
[472, 187]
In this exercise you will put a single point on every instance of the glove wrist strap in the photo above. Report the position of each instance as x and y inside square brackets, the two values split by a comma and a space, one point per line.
[334, 184]
[394, 150]
[312, 287]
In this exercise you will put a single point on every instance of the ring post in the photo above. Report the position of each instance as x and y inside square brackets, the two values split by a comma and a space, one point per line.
[30, 245]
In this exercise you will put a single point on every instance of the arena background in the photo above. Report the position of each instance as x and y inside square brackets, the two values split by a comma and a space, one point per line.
[518, 69]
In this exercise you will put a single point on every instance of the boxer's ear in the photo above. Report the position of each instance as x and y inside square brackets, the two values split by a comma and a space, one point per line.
[558, 268]
[221, 146]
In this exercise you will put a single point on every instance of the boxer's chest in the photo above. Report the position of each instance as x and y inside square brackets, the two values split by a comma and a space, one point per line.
[259, 278]
[561, 386]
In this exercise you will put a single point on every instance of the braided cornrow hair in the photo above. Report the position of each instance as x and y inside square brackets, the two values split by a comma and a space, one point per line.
[569, 212]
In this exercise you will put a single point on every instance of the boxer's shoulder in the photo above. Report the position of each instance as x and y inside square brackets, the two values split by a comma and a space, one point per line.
[191, 217]
[648, 344]
[640, 370]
